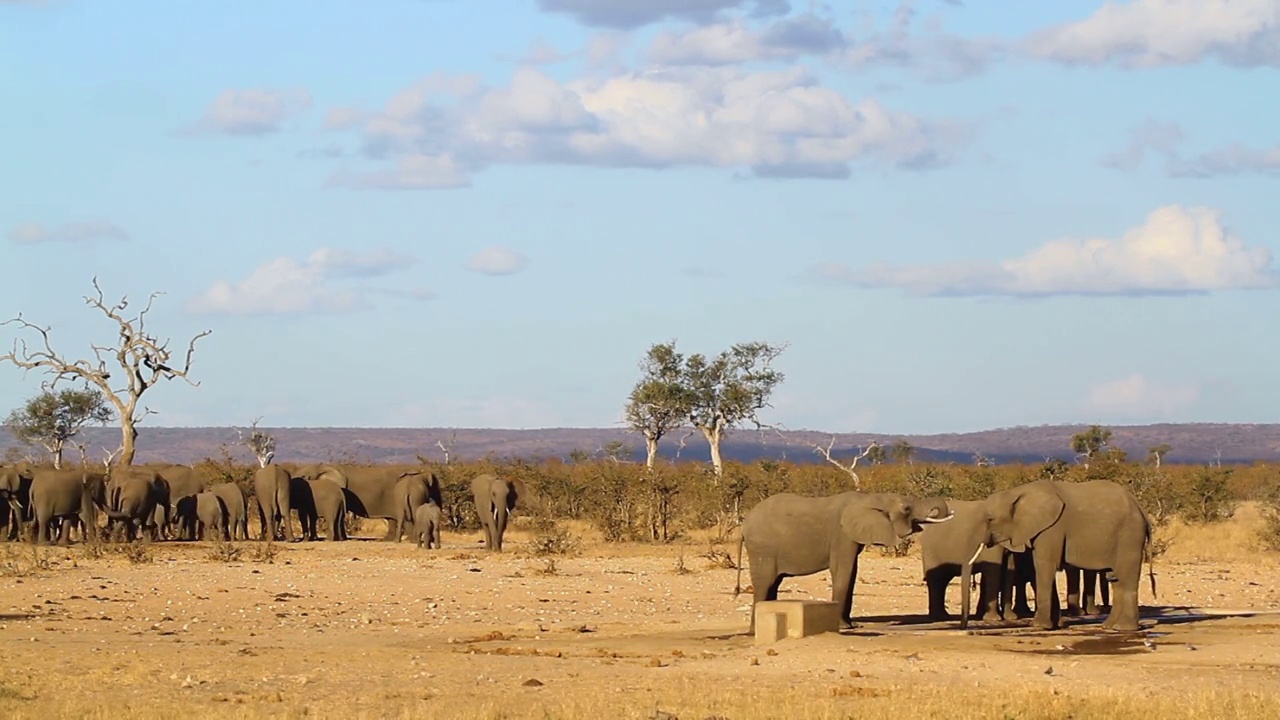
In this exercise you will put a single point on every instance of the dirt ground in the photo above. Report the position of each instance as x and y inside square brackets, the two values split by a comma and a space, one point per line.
[375, 629]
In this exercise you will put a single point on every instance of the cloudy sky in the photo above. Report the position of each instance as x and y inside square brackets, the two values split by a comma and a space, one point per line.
[959, 215]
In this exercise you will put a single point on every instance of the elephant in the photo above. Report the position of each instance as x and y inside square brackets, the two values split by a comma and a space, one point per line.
[788, 535]
[133, 498]
[495, 498]
[237, 511]
[183, 480]
[944, 548]
[314, 499]
[426, 526]
[203, 513]
[15, 499]
[271, 485]
[1085, 603]
[69, 495]
[1093, 525]
[381, 492]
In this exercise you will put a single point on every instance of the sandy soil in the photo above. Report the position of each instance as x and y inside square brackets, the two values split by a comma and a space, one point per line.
[374, 629]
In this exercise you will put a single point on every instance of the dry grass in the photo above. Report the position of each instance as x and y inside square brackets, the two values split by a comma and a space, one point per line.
[1233, 540]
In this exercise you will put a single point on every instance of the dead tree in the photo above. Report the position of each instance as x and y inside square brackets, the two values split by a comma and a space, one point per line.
[262, 445]
[143, 359]
[849, 469]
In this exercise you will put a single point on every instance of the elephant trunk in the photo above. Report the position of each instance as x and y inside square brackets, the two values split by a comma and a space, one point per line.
[966, 578]
[500, 524]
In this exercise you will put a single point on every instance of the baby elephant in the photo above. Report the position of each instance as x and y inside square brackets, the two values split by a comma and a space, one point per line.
[202, 514]
[426, 525]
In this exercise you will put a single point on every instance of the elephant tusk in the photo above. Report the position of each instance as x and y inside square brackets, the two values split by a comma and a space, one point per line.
[938, 520]
[981, 547]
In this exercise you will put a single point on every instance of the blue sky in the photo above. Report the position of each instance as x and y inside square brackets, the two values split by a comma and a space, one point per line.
[481, 213]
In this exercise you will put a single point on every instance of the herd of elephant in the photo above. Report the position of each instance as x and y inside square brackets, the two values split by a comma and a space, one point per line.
[1015, 537]
[176, 502]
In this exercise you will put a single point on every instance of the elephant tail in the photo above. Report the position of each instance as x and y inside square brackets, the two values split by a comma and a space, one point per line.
[118, 515]
[737, 584]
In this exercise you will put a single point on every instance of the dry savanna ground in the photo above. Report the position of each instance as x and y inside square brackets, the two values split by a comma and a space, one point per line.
[369, 629]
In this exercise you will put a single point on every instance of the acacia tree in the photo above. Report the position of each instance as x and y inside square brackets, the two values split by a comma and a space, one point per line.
[729, 389]
[1090, 443]
[1156, 453]
[660, 401]
[143, 359]
[902, 451]
[51, 419]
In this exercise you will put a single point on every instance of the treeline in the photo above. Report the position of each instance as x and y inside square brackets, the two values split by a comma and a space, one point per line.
[626, 502]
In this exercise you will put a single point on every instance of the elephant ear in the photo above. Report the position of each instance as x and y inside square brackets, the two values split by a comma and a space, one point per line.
[868, 525]
[333, 475]
[1033, 513]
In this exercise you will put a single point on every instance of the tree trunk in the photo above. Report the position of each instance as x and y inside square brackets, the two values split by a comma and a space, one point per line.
[651, 449]
[56, 450]
[713, 436]
[128, 435]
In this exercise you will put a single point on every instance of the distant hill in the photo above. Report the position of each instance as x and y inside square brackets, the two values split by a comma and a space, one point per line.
[1191, 443]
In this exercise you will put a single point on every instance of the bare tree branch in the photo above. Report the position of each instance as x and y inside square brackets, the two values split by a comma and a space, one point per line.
[262, 445]
[144, 360]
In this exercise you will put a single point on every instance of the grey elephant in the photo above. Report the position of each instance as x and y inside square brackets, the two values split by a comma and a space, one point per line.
[945, 548]
[384, 492]
[1081, 600]
[69, 495]
[134, 496]
[271, 485]
[315, 499]
[203, 516]
[15, 499]
[233, 500]
[495, 498]
[789, 535]
[183, 480]
[426, 526]
[1094, 525]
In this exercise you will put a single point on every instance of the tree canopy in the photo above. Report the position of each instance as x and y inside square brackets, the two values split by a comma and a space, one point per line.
[51, 418]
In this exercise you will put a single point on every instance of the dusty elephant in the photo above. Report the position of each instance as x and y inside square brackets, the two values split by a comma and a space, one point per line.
[237, 508]
[426, 526]
[944, 550]
[271, 485]
[134, 496]
[388, 493]
[789, 535]
[495, 498]
[15, 499]
[1094, 525]
[315, 499]
[202, 514]
[70, 495]
[1081, 600]
[183, 480]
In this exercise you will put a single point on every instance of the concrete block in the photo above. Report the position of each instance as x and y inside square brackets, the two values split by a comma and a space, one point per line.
[778, 619]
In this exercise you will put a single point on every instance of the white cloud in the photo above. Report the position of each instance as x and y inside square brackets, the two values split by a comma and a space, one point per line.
[780, 124]
[285, 286]
[734, 42]
[1177, 250]
[252, 111]
[1149, 33]
[1231, 160]
[497, 261]
[1140, 399]
[72, 232]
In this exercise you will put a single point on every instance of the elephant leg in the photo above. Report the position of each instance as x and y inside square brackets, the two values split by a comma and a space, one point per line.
[937, 580]
[764, 584]
[1124, 611]
[335, 527]
[1090, 586]
[1048, 608]
[1105, 583]
[844, 574]
[989, 592]
[1073, 590]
